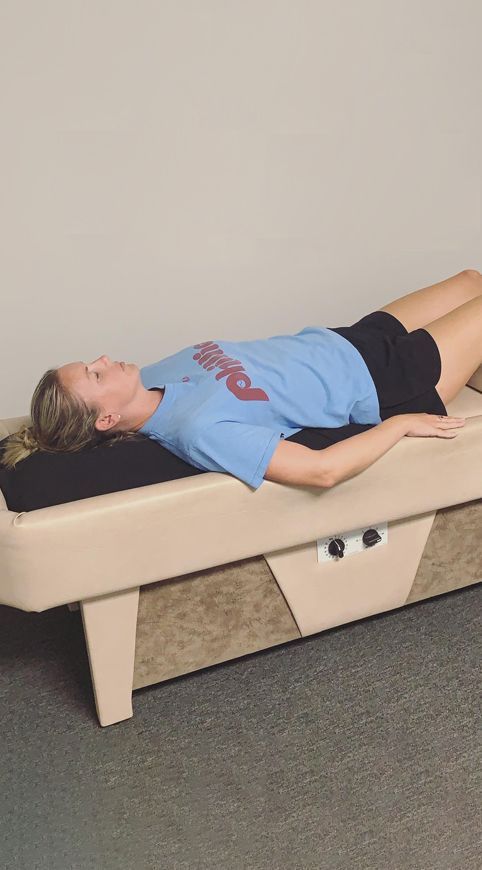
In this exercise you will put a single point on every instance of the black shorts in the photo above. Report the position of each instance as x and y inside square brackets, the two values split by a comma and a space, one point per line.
[405, 366]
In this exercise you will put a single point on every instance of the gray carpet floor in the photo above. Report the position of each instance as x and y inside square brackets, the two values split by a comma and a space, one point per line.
[359, 747]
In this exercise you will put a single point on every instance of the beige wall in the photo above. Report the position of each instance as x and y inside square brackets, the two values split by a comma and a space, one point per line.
[173, 172]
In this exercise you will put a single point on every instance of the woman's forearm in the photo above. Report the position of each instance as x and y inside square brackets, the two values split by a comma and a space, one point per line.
[349, 457]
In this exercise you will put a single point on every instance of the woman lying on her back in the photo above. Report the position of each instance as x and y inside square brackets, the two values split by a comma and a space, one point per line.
[227, 406]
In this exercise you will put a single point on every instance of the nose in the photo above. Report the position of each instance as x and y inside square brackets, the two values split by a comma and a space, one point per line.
[104, 360]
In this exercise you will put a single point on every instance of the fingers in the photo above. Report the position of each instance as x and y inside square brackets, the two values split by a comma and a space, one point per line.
[450, 421]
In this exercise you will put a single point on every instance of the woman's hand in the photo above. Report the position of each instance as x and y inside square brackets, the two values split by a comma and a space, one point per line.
[432, 425]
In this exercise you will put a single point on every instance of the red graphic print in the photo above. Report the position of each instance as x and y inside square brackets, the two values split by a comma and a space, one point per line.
[212, 357]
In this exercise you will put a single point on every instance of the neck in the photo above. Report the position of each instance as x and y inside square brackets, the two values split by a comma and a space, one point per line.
[157, 394]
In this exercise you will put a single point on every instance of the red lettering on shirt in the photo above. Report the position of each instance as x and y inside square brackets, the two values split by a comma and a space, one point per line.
[212, 357]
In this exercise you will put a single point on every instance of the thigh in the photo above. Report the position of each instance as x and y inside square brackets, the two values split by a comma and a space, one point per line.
[423, 306]
[458, 335]
[380, 320]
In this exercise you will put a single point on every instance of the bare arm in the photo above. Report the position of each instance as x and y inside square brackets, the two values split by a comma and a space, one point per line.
[349, 457]
[295, 463]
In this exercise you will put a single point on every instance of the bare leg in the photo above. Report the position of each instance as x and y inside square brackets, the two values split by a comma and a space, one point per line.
[459, 339]
[424, 306]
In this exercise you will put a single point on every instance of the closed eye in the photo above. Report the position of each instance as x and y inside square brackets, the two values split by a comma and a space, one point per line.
[87, 374]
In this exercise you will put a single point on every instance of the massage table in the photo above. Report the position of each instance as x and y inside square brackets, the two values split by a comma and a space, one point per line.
[184, 574]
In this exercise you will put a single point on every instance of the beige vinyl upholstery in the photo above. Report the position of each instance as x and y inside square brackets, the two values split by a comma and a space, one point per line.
[179, 575]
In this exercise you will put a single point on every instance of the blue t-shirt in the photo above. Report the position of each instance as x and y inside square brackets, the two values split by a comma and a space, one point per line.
[226, 404]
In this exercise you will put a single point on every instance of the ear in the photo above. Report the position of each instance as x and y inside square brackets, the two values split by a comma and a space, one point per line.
[103, 424]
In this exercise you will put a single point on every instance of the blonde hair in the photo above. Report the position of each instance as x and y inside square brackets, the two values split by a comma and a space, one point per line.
[61, 422]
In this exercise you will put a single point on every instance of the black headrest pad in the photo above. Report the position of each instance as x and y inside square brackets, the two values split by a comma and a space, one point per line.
[45, 479]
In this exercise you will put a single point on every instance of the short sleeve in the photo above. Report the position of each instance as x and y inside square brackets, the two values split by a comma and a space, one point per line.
[241, 449]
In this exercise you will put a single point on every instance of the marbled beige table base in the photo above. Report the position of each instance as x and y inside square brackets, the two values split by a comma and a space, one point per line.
[159, 631]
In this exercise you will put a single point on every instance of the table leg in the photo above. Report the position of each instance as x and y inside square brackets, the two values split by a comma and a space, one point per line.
[110, 623]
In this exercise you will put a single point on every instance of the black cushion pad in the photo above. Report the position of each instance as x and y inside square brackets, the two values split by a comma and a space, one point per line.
[45, 479]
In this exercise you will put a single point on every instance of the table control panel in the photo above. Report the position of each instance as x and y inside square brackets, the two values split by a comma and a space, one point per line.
[338, 546]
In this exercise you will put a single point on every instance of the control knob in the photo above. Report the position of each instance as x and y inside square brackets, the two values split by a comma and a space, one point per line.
[371, 537]
[336, 547]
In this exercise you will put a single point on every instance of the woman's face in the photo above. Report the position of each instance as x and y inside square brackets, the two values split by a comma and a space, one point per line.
[115, 387]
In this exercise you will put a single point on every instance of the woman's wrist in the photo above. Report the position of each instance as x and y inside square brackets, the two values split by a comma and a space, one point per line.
[401, 422]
